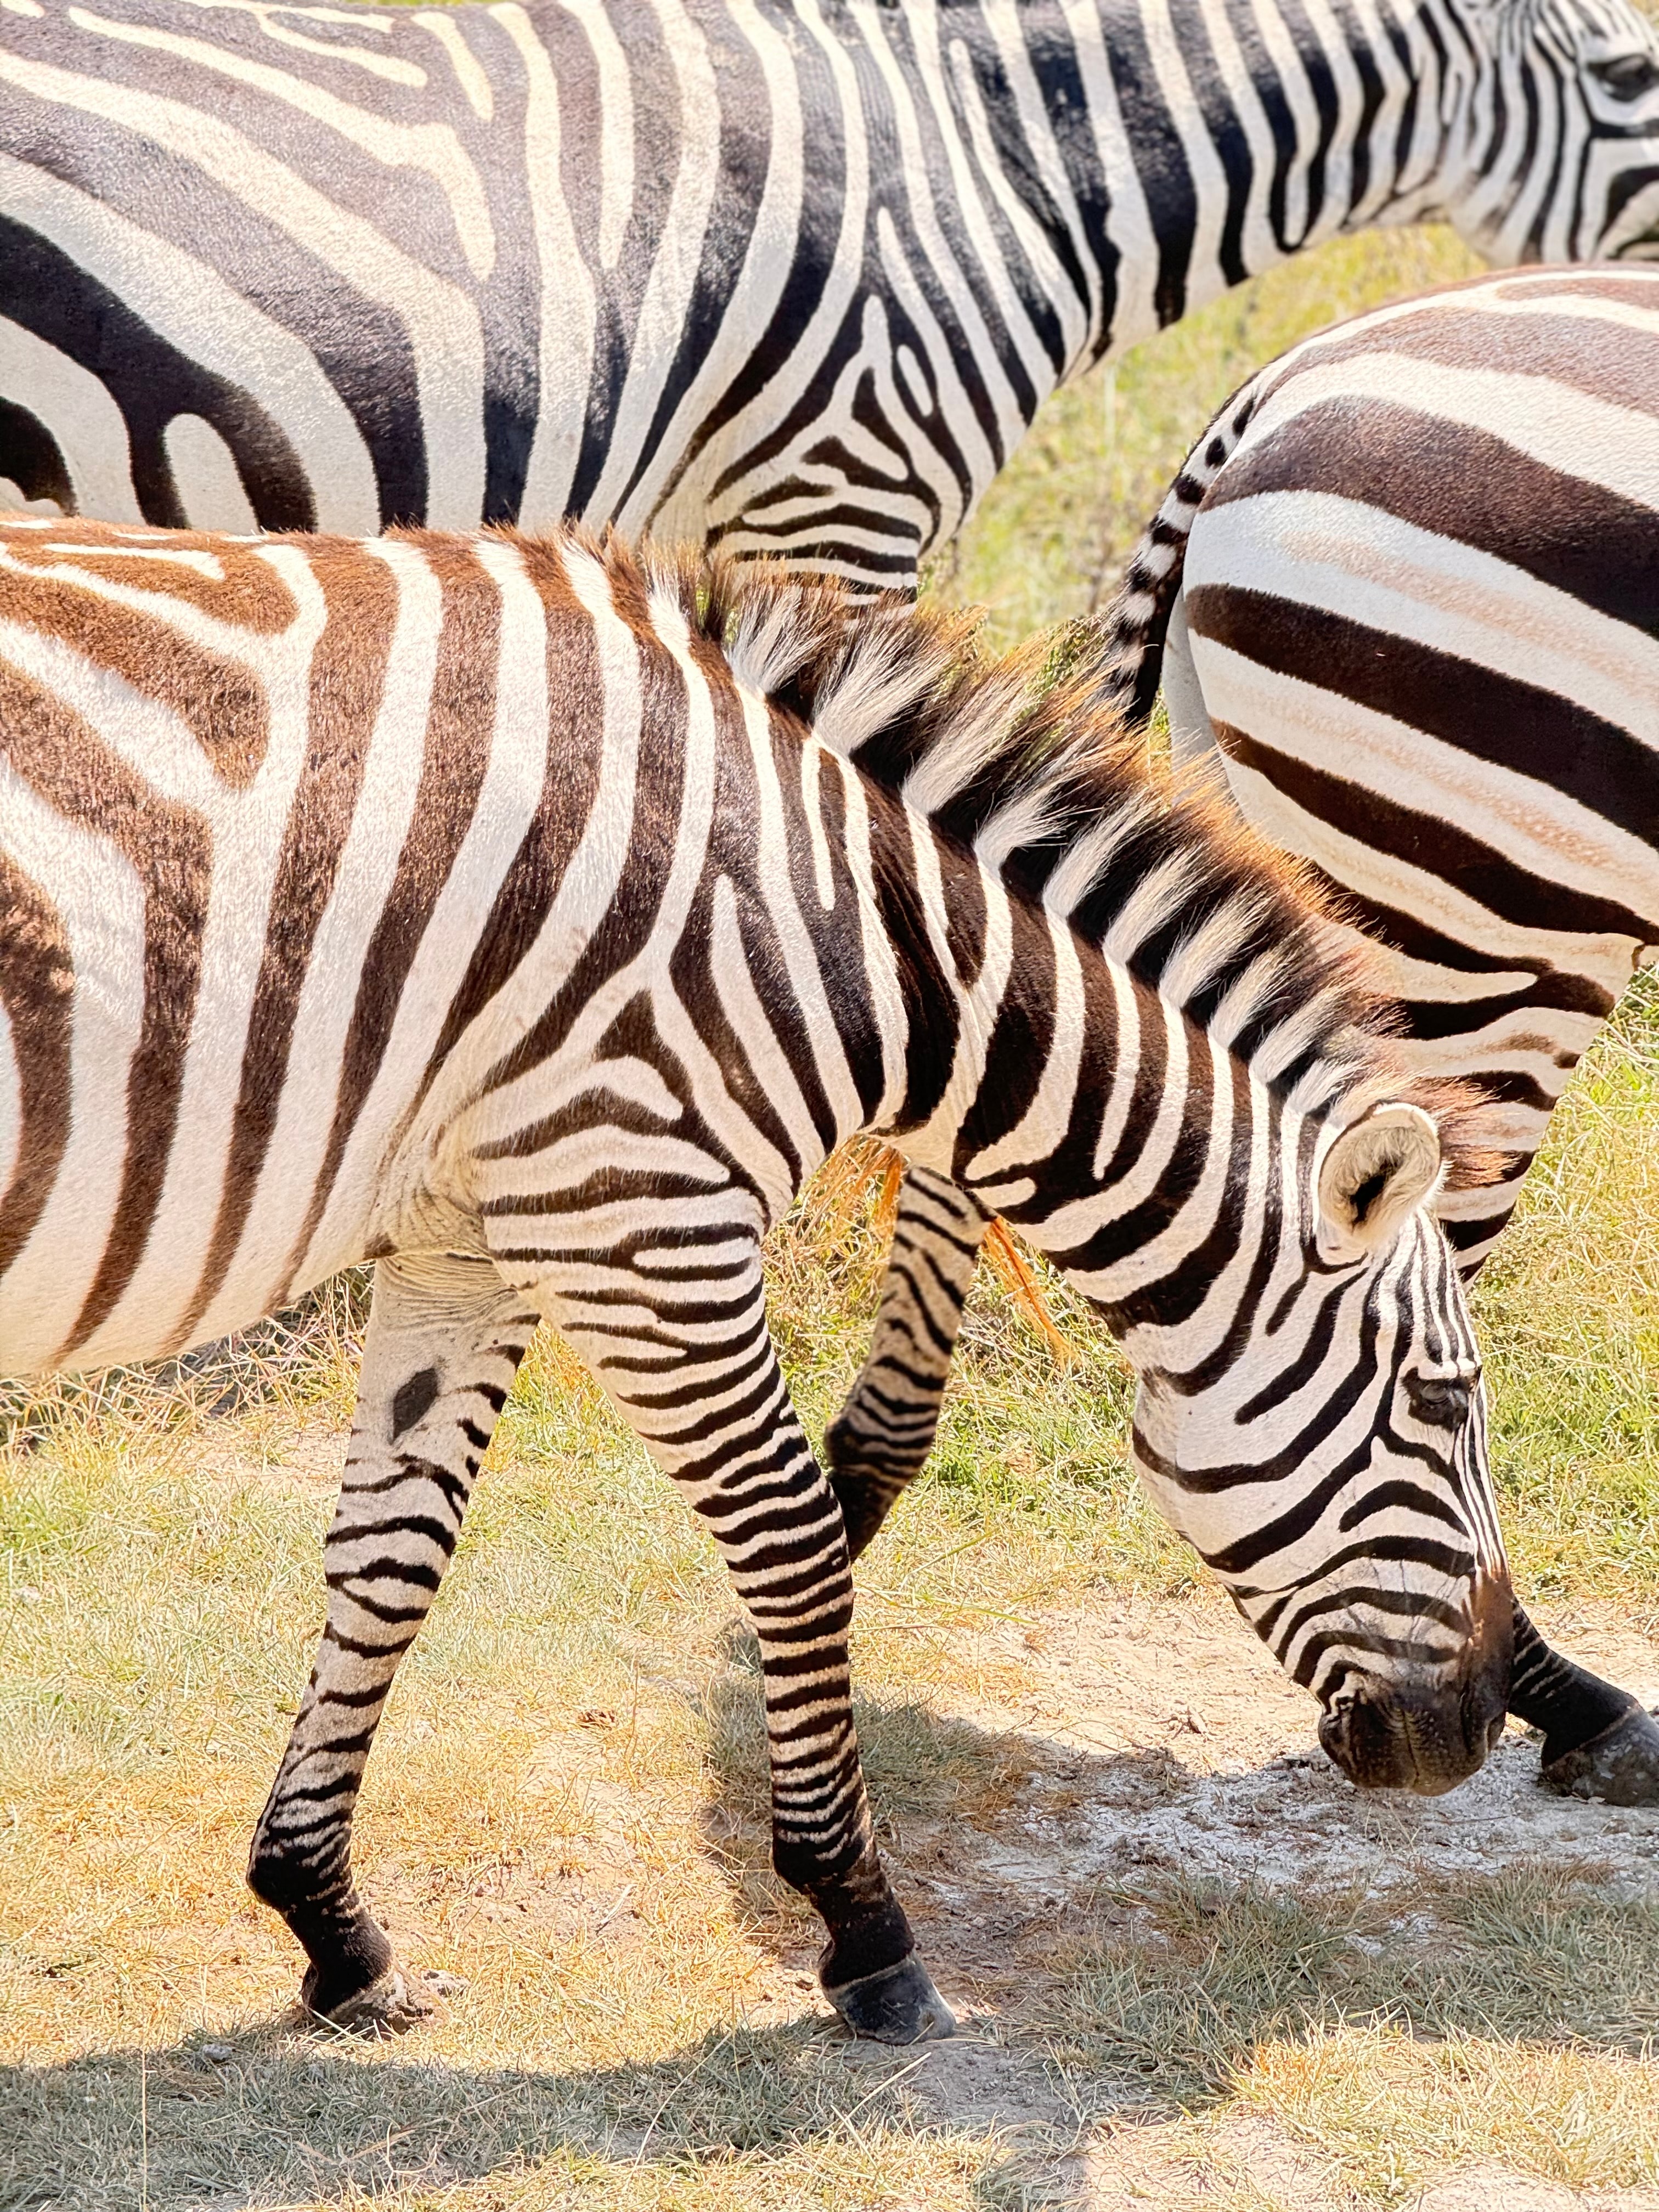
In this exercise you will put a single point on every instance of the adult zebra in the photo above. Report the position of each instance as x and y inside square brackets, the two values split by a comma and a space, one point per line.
[536, 923]
[789, 275]
[1407, 584]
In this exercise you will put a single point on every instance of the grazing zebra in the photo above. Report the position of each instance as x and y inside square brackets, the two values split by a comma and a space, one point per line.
[1408, 582]
[790, 276]
[534, 922]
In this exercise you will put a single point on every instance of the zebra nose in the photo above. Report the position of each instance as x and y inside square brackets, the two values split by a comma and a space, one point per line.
[1429, 1733]
[1420, 1742]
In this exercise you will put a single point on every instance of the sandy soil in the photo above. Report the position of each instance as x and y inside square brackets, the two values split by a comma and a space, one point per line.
[1192, 1750]
[1162, 1737]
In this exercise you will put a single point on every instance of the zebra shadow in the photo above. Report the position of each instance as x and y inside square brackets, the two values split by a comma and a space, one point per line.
[1100, 1973]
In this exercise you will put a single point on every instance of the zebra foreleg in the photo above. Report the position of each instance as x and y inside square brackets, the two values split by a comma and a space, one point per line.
[445, 1340]
[686, 1356]
[878, 1442]
[1598, 1741]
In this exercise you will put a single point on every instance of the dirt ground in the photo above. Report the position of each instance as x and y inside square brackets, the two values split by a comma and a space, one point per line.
[1030, 1778]
[1173, 1742]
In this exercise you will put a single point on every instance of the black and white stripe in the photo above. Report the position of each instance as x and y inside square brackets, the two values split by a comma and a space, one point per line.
[535, 923]
[792, 276]
[1408, 581]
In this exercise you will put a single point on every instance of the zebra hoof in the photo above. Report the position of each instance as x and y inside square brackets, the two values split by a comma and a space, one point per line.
[1620, 1766]
[898, 2005]
[398, 2000]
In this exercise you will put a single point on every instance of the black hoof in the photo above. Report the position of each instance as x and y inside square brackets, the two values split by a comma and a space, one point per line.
[1620, 1766]
[898, 2005]
[398, 2001]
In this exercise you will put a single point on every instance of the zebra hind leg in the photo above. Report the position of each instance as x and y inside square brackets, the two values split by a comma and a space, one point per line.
[1598, 1741]
[445, 1340]
[878, 1441]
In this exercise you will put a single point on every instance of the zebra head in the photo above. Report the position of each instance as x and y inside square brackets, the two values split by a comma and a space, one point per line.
[1329, 1459]
[1553, 152]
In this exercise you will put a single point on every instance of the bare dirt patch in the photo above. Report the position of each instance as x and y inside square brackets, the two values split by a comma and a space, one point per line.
[1193, 1751]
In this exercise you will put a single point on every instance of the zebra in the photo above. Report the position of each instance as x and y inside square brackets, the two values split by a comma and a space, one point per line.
[787, 276]
[1405, 589]
[532, 918]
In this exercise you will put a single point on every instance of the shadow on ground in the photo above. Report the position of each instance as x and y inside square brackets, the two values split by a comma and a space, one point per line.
[1144, 1986]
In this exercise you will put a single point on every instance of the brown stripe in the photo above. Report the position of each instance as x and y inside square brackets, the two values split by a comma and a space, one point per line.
[1609, 360]
[218, 699]
[454, 758]
[1468, 485]
[348, 677]
[37, 987]
[64, 759]
[1435, 846]
[250, 594]
[570, 784]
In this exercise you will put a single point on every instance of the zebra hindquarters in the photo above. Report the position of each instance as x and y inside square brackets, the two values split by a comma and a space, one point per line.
[670, 1320]
[445, 1338]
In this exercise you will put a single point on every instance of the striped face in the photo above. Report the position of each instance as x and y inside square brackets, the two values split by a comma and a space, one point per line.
[1560, 138]
[1328, 1456]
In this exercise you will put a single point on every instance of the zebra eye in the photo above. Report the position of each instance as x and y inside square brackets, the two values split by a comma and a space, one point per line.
[1626, 77]
[1443, 1401]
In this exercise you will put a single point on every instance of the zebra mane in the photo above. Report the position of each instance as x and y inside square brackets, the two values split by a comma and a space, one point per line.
[1026, 761]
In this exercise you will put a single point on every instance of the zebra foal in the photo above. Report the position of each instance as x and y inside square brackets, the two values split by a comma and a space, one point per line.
[1405, 592]
[534, 921]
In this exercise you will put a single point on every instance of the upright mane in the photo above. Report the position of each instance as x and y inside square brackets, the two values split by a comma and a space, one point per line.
[1023, 760]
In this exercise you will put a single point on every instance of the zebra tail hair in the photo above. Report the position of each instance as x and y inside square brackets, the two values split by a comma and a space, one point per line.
[1138, 622]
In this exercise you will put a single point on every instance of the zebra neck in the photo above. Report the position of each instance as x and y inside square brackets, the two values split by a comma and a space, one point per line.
[1309, 135]
[1067, 1094]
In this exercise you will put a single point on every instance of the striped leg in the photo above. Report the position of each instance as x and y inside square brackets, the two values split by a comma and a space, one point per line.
[1598, 1742]
[445, 1340]
[677, 1336]
[876, 1443]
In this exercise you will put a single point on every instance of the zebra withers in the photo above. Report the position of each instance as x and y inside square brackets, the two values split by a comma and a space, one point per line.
[789, 276]
[534, 921]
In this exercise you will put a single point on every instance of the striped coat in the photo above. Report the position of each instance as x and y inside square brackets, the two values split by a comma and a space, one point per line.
[790, 276]
[533, 923]
[1407, 582]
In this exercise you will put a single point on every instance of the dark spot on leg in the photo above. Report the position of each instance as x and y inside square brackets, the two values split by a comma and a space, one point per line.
[413, 1399]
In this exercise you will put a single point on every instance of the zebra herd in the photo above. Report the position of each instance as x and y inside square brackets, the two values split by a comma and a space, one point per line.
[532, 917]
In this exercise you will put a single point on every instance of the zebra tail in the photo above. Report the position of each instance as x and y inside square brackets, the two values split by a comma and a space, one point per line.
[1139, 619]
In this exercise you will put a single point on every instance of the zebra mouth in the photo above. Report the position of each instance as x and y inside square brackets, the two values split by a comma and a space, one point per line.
[1427, 1747]
[1428, 1733]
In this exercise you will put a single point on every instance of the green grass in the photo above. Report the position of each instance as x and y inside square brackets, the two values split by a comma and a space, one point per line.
[1052, 534]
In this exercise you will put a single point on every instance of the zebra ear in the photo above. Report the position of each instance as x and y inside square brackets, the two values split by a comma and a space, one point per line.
[1379, 1170]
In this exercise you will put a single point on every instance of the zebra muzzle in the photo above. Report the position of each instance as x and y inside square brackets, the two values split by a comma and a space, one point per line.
[1427, 1735]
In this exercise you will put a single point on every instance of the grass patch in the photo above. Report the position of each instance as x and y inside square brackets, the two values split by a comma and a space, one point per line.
[1515, 2020]
[1568, 1313]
